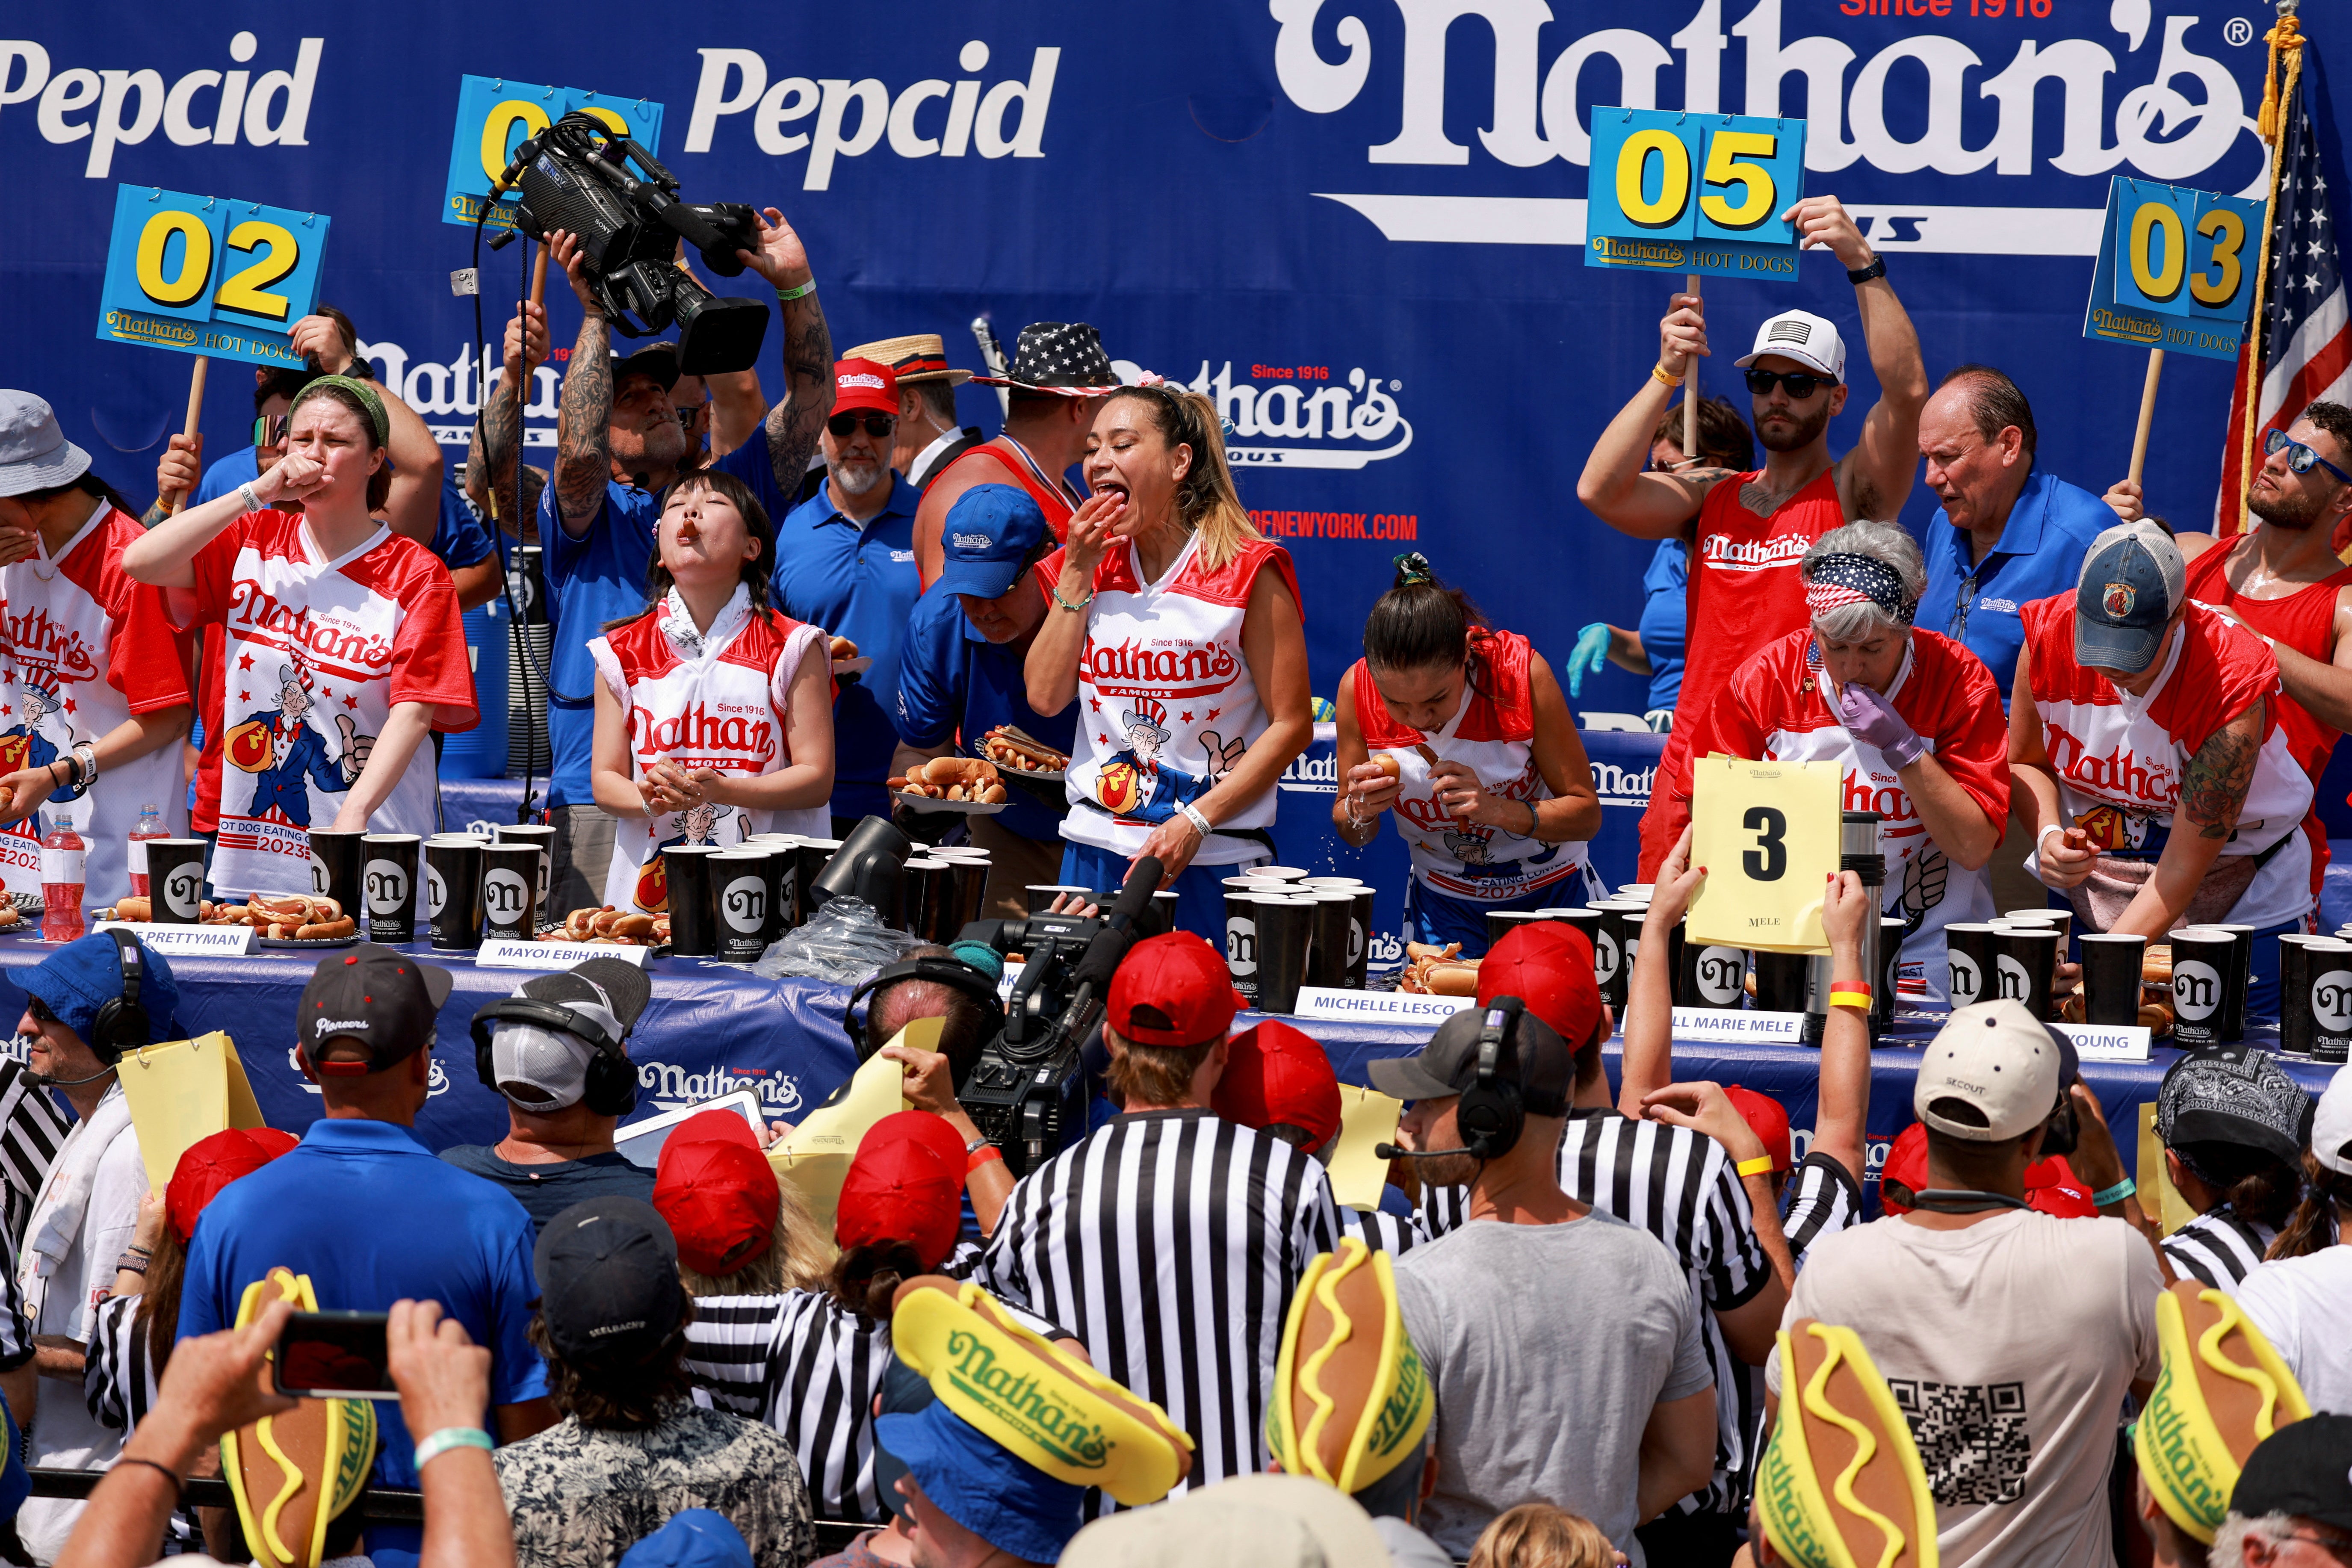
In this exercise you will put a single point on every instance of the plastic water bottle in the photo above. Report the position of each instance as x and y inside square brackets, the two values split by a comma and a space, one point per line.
[151, 825]
[63, 858]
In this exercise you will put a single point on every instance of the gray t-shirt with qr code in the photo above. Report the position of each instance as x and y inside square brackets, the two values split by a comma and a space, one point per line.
[2009, 1346]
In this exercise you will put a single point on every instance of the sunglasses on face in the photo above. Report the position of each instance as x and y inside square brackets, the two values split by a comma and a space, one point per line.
[40, 1011]
[2299, 458]
[878, 426]
[269, 429]
[1802, 384]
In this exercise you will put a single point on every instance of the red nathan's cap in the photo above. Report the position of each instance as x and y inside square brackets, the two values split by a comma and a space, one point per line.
[1174, 989]
[212, 1163]
[1766, 1119]
[2051, 1187]
[1907, 1166]
[716, 1190]
[904, 1184]
[1274, 1073]
[1547, 964]
[864, 385]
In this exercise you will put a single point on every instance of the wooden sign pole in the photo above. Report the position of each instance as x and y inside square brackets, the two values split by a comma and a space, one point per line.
[1690, 391]
[196, 418]
[2146, 412]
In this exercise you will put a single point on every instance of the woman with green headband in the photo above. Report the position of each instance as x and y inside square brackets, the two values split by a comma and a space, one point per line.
[343, 646]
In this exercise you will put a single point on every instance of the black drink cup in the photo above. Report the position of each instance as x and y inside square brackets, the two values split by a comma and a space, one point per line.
[1891, 931]
[2330, 994]
[1286, 938]
[1240, 937]
[176, 880]
[2294, 991]
[542, 836]
[1613, 951]
[453, 891]
[2111, 978]
[1781, 981]
[1710, 976]
[1970, 947]
[389, 881]
[743, 887]
[1335, 915]
[337, 863]
[2203, 969]
[511, 891]
[1501, 922]
[2024, 958]
[810, 858]
[693, 901]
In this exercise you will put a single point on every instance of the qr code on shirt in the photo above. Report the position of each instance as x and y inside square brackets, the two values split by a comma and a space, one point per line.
[1971, 1437]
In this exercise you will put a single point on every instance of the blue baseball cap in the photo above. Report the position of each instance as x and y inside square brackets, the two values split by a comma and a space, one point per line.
[905, 1392]
[2133, 579]
[694, 1537]
[989, 532]
[1013, 1505]
[85, 974]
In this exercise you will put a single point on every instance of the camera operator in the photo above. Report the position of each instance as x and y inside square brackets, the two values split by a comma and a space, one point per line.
[902, 995]
[619, 447]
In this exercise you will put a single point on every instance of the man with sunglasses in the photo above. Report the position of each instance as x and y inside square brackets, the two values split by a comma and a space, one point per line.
[1752, 529]
[845, 561]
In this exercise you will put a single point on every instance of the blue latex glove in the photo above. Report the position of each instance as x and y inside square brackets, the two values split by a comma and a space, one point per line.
[1872, 720]
[1590, 653]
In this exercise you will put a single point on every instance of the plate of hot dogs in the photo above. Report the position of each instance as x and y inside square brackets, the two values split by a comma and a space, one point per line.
[964, 784]
[1022, 755]
[612, 927]
[846, 659]
[289, 919]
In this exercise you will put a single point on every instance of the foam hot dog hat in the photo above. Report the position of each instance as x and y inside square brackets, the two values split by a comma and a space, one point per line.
[1841, 1484]
[1351, 1400]
[292, 1474]
[2222, 1390]
[1046, 1409]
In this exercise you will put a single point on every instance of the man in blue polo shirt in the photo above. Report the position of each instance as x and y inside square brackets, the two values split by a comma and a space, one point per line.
[845, 561]
[619, 447]
[369, 1213]
[2009, 533]
[961, 672]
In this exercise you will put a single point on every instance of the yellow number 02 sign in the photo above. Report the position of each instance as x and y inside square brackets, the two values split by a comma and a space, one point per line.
[1768, 834]
[209, 274]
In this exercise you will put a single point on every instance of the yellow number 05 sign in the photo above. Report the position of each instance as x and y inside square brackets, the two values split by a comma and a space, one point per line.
[1768, 834]
[209, 274]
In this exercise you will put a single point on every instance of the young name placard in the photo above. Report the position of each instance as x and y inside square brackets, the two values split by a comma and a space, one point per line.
[209, 274]
[2175, 269]
[2108, 1043]
[1738, 1026]
[1693, 192]
[494, 114]
[505, 952]
[186, 942]
[1339, 1006]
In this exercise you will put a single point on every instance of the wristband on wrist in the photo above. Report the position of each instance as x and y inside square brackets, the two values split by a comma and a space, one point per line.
[2107, 1197]
[1658, 373]
[1850, 993]
[1762, 1166]
[1076, 609]
[252, 502]
[1192, 814]
[161, 1469]
[448, 1437]
[787, 296]
[1877, 269]
[982, 1156]
[2045, 833]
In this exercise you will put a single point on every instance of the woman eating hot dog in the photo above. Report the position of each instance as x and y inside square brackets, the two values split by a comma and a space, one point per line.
[1185, 653]
[714, 712]
[1463, 733]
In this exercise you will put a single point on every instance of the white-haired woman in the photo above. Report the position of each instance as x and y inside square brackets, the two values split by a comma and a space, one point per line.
[1912, 717]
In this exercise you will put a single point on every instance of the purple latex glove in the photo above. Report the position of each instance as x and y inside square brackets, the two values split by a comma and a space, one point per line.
[1872, 720]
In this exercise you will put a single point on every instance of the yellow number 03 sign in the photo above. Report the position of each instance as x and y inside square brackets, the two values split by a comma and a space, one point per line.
[209, 274]
[1768, 834]
[2175, 269]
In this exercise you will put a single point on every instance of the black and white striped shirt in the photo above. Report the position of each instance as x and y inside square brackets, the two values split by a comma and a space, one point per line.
[1170, 1242]
[1379, 1230]
[2218, 1249]
[1821, 1200]
[119, 1380]
[809, 1367]
[32, 1128]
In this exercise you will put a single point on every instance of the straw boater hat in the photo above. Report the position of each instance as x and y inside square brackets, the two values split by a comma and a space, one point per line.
[920, 358]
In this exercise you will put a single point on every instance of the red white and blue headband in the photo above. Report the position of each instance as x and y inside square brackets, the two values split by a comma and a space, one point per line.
[1836, 581]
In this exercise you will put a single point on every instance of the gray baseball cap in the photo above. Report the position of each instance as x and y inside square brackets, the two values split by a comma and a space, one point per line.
[34, 452]
[2133, 579]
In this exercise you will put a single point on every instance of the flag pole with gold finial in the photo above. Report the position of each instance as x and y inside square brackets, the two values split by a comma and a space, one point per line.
[2279, 88]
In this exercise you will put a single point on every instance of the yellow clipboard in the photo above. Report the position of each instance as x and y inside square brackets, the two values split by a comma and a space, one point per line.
[816, 1157]
[1768, 834]
[182, 1093]
[1365, 1117]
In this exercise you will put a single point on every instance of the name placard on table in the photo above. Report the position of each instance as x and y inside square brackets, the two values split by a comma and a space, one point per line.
[1342, 1006]
[507, 953]
[185, 940]
[2108, 1043]
[1735, 1027]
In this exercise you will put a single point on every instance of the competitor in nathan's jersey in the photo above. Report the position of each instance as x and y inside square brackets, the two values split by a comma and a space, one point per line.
[714, 712]
[1911, 717]
[1752, 529]
[2148, 729]
[1463, 733]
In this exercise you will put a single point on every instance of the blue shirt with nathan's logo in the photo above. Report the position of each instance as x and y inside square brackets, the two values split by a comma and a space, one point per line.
[2040, 553]
[952, 679]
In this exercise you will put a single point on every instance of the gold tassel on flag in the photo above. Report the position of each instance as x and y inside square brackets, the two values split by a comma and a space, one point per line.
[2279, 89]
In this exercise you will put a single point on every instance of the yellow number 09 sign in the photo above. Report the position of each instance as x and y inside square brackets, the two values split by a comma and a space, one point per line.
[1768, 834]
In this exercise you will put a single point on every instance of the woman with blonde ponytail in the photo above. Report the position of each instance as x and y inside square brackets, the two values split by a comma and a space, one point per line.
[1190, 658]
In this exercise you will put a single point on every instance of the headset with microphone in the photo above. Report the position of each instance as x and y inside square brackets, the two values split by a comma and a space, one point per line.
[121, 1024]
[1492, 1111]
[611, 1088]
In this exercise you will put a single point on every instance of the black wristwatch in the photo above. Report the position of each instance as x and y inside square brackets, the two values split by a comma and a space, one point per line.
[1859, 275]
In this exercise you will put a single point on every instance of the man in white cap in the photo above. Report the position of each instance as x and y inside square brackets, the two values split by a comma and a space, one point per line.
[554, 1050]
[2008, 1338]
[1748, 530]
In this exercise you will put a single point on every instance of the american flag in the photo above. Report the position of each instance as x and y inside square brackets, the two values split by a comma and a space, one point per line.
[2306, 337]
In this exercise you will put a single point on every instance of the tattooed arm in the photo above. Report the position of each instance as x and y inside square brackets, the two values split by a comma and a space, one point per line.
[2213, 793]
[791, 426]
[583, 460]
[497, 436]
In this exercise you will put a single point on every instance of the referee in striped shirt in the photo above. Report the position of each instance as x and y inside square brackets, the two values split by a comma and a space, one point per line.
[1171, 1240]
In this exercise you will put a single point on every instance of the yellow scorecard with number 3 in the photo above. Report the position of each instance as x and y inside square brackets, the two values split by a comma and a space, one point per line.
[207, 275]
[1768, 834]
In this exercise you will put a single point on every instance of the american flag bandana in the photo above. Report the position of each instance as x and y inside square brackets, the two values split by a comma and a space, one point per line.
[1836, 581]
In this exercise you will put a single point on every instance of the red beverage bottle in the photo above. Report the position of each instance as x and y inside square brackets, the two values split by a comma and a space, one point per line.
[63, 858]
[151, 825]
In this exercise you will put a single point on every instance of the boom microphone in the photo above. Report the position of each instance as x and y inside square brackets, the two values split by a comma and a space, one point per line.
[1091, 979]
[1391, 1152]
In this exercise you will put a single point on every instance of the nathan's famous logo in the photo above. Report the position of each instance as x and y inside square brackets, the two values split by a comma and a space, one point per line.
[33, 638]
[695, 730]
[1310, 774]
[252, 607]
[1620, 786]
[1722, 551]
[672, 1087]
[1171, 671]
[2147, 781]
[1351, 416]
[1019, 1400]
